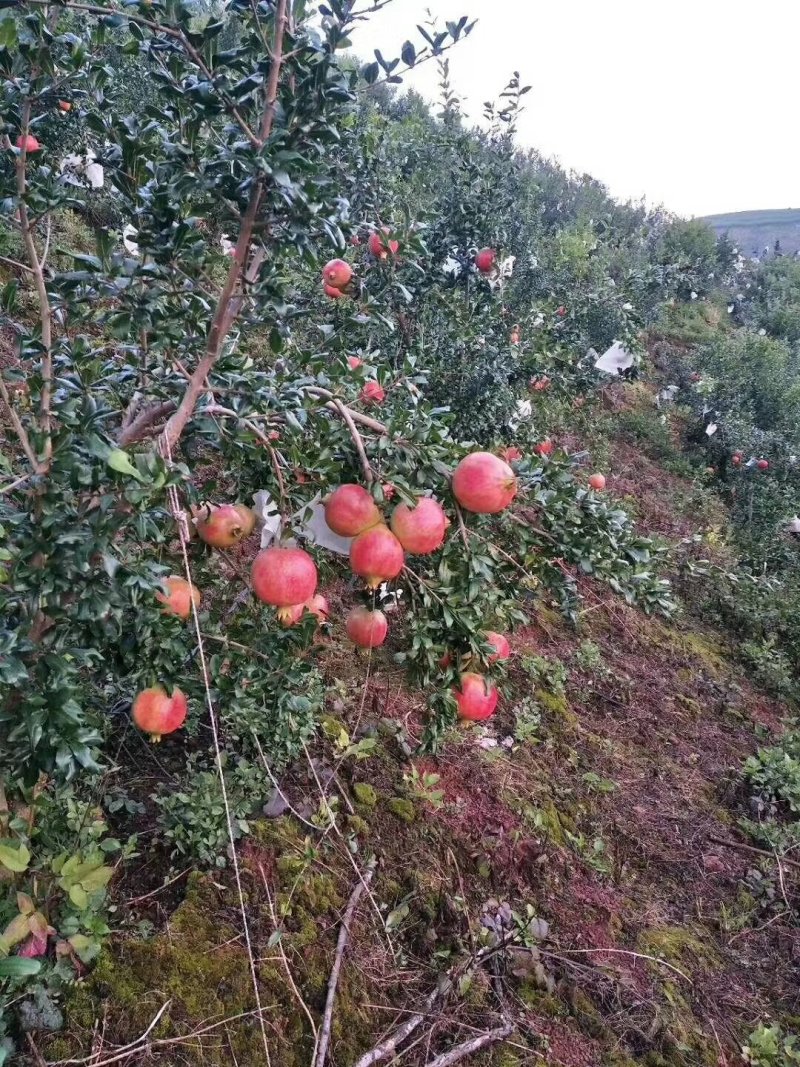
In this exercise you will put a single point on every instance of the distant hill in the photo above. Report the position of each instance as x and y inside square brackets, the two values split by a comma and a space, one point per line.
[752, 231]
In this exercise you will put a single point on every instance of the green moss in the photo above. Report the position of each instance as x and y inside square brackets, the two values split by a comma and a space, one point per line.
[357, 825]
[402, 808]
[549, 821]
[703, 648]
[365, 794]
[538, 1000]
[678, 946]
[557, 706]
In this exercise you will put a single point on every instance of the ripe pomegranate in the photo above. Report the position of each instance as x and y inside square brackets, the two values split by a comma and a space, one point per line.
[284, 577]
[28, 143]
[366, 628]
[318, 605]
[380, 246]
[337, 273]
[350, 510]
[224, 526]
[179, 596]
[510, 454]
[157, 714]
[484, 260]
[332, 291]
[376, 556]
[483, 483]
[514, 336]
[388, 490]
[763, 464]
[500, 644]
[736, 459]
[373, 393]
[355, 240]
[540, 384]
[247, 514]
[420, 529]
[353, 362]
[598, 482]
[561, 311]
[476, 697]
[291, 615]
[64, 105]
[544, 448]
[273, 435]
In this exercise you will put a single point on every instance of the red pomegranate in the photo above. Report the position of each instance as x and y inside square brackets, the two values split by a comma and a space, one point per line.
[64, 105]
[350, 510]
[337, 273]
[284, 577]
[476, 697]
[763, 464]
[366, 628]
[514, 336]
[510, 454]
[376, 556]
[540, 384]
[318, 605]
[332, 291]
[561, 311]
[483, 483]
[291, 615]
[544, 448]
[500, 644]
[389, 490]
[179, 596]
[736, 459]
[420, 529]
[598, 482]
[353, 362]
[28, 143]
[226, 525]
[373, 393]
[484, 260]
[380, 245]
[156, 713]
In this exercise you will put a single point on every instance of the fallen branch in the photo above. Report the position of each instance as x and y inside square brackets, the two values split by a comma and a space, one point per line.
[387, 1047]
[466, 1048]
[751, 848]
[154, 892]
[344, 936]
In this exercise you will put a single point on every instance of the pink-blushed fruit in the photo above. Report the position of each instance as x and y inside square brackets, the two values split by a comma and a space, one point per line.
[291, 615]
[484, 483]
[736, 459]
[561, 311]
[376, 556]
[332, 291]
[64, 105]
[179, 596]
[378, 243]
[247, 515]
[514, 336]
[157, 714]
[420, 529]
[500, 644]
[366, 628]
[285, 578]
[28, 143]
[373, 393]
[224, 526]
[544, 448]
[510, 454]
[763, 464]
[540, 384]
[350, 510]
[337, 273]
[353, 362]
[476, 697]
[318, 605]
[484, 260]
[389, 491]
[598, 481]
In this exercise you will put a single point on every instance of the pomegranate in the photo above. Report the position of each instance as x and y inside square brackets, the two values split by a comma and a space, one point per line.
[561, 311]
[710, 470]
[484, 483]
[64, 105]
[598, 482]
[337, 273]
[540, 384]
[510, 454]
[420, 529]
[376, 556]
[736, 459]
[224, 526]
[514, 336]
[157, 714]
[366, 628]
[544, 448]
[350, 510]
[380, 245]
[388, 490]
[285, 578]
[248, 516]
[500, 644]
[476, 697]
[763, 464]
[484, 260]
[318, 605]
[291, 615]
[373, 393]
[179, 596]
[28, 143]
[353, 362]
[332, 291]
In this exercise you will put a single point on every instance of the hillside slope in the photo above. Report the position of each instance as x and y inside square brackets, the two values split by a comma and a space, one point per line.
[753, 231]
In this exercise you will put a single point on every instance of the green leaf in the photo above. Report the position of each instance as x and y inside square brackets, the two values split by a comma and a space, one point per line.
[18, 967]
[79, 897]
[8, 33]
[15, 859]
[120, 461]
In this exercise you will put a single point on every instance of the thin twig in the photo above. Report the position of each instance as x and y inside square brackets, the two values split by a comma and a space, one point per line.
[627, 952]
[751, 848]
[358, 441]
[15, 264]
[125, 1049]
[19, 429]
[161, 888]
[15, 484]
[466, 1048]
[144, 421]
[344, 936]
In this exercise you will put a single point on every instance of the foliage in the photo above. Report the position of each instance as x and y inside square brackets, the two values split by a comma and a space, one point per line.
[769, 1045]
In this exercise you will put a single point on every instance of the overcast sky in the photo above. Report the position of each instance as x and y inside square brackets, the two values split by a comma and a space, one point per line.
[691, 103]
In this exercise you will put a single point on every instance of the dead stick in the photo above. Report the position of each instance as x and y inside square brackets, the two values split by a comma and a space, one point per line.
[751, 848]
[491, 1037]
[387, 1048]
[341, 945]
[153, 892]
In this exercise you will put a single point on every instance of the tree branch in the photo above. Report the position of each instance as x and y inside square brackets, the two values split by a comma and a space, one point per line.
[491, 1037]
[358, 441]
[144, 421]
[19, 429]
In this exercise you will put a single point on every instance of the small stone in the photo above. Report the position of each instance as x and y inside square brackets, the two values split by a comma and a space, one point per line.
[276, 805]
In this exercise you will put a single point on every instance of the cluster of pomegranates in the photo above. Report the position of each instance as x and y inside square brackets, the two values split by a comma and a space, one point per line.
[737, 459]
[337, 273]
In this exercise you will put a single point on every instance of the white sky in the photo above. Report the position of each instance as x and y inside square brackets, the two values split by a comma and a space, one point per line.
[691, 103]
